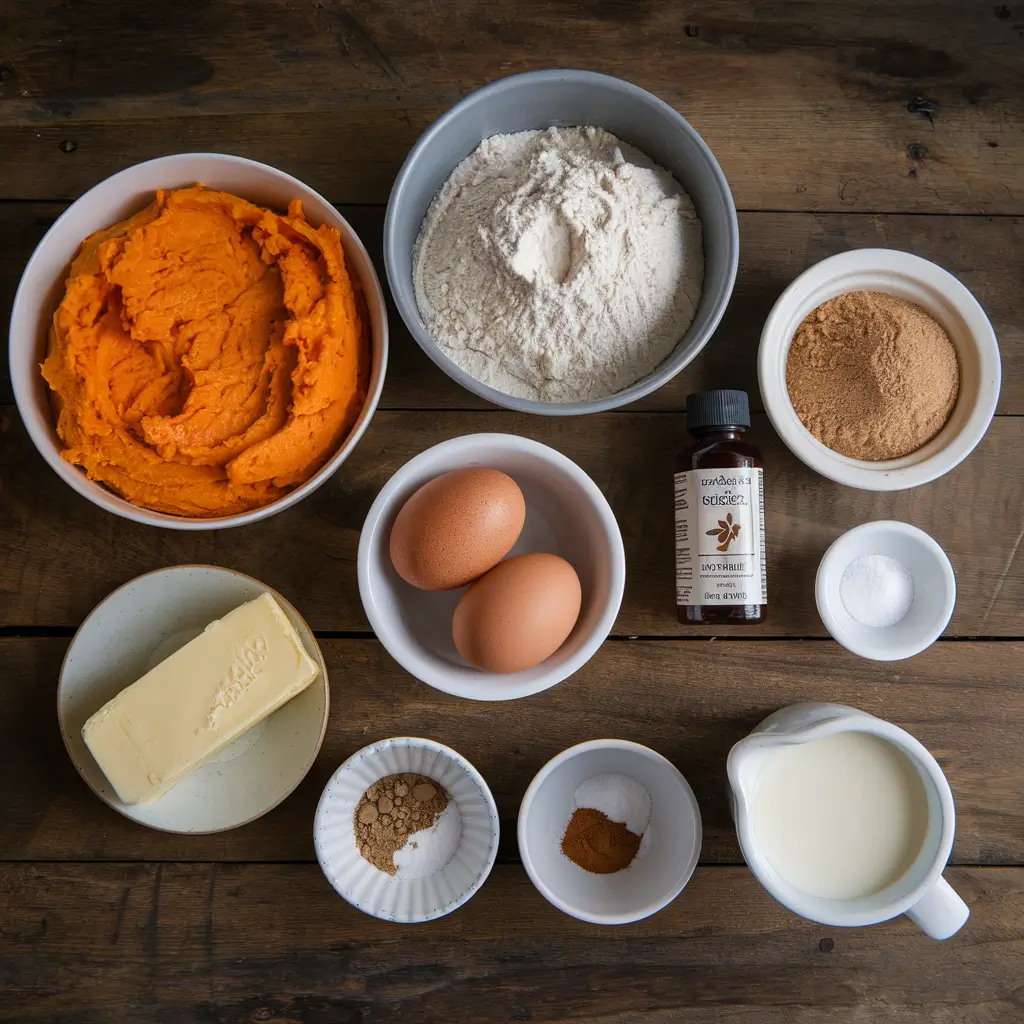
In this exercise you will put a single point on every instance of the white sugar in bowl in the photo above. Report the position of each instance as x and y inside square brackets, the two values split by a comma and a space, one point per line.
[866, 600]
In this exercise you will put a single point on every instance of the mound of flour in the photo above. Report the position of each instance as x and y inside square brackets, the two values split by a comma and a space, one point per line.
[558, 265]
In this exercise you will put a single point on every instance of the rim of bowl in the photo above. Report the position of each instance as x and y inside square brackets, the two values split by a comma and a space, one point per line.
[669, 367]
[438, 679]
[48, 446]
[829, 566]
[530, 795]
[910, 470]
[317, 653]
[469, 768]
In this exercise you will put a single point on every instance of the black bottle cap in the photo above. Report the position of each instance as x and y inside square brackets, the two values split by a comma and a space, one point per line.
[724, 408]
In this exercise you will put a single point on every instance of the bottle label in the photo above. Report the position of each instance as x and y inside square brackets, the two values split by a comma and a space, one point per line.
[720, 537]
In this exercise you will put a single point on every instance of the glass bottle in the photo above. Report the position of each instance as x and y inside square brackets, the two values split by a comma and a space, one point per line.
[719, 510]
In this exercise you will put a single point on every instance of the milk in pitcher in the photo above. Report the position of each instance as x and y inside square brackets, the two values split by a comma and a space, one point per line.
[841, 817]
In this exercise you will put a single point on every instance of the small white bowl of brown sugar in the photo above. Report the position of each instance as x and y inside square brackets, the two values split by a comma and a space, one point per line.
[879, 369]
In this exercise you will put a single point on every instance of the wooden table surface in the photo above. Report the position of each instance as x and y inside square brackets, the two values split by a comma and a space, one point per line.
[838, 125]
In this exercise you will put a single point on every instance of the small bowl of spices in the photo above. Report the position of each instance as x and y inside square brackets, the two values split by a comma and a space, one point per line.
[879, 369]
[406, 830]
[885, 590]
[609, 831]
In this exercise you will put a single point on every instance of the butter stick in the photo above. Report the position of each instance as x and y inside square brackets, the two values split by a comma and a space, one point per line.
[238, 671]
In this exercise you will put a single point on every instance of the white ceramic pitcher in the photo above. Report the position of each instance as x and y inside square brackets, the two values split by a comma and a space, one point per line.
[921, 893]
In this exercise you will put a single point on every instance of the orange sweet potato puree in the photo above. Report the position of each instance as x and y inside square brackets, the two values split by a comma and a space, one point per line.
[208, 354]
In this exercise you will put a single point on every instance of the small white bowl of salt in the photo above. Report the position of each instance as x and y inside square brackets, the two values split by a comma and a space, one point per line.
[609, 831]
[885, 590]
[406, 830]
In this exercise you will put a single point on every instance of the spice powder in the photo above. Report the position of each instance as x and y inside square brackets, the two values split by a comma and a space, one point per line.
[872, 376]
[391, 810]
[597, 844]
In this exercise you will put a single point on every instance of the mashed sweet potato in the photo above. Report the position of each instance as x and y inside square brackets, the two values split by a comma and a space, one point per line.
[208, 354]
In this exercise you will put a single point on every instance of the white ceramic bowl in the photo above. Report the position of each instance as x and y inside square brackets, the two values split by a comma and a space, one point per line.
[668, 854]
[941, 295]
[111, 201]
[566, 514]
[131, 631]
[396, 897]
[934, 590]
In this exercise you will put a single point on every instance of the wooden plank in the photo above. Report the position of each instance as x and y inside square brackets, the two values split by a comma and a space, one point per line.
[986, 253]
[63, 160]
[807, 106]
[309, 551]
[245, 943]
[689, 700]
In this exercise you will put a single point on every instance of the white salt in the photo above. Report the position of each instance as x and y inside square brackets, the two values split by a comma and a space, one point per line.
[618, 797]
[877, 590]
[430, 849]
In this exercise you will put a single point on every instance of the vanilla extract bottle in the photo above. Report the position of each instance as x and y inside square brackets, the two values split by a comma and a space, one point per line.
[719, 511]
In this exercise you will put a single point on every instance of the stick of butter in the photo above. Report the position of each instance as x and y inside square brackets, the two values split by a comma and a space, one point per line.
[240, 669]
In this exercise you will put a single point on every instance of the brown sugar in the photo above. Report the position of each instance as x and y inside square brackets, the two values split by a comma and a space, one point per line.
[393, 809]
[597, 844]
[872, 376]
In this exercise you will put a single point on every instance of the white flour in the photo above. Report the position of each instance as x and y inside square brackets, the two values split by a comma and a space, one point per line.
[559, 265]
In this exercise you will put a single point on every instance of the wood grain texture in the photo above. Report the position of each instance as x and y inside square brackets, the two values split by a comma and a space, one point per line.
[807, 106]
[691, 701]
[240, 944]
[838, 125]
[986, 253]
[976, 513]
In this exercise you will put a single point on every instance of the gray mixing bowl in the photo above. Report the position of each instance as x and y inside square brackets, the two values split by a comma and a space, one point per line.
[541, 99]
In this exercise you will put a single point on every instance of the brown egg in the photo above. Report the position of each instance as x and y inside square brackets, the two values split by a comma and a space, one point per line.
[518, 614]
[456, 527]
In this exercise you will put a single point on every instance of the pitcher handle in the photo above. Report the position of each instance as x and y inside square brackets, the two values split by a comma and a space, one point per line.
[940, 912]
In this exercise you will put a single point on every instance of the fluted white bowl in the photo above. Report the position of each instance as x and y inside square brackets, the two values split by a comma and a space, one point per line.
[393, 897]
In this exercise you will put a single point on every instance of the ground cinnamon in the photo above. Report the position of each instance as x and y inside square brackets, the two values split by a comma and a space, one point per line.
[597, 844]
[872, 376]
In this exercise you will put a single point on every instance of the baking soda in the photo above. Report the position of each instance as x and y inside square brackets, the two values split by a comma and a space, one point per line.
[877, 590]
[430, 849]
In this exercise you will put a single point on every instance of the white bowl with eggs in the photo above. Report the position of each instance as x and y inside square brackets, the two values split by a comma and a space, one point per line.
[566, 515]
[942, 297]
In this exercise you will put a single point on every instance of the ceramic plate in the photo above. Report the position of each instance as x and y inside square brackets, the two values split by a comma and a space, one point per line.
[135, 628]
